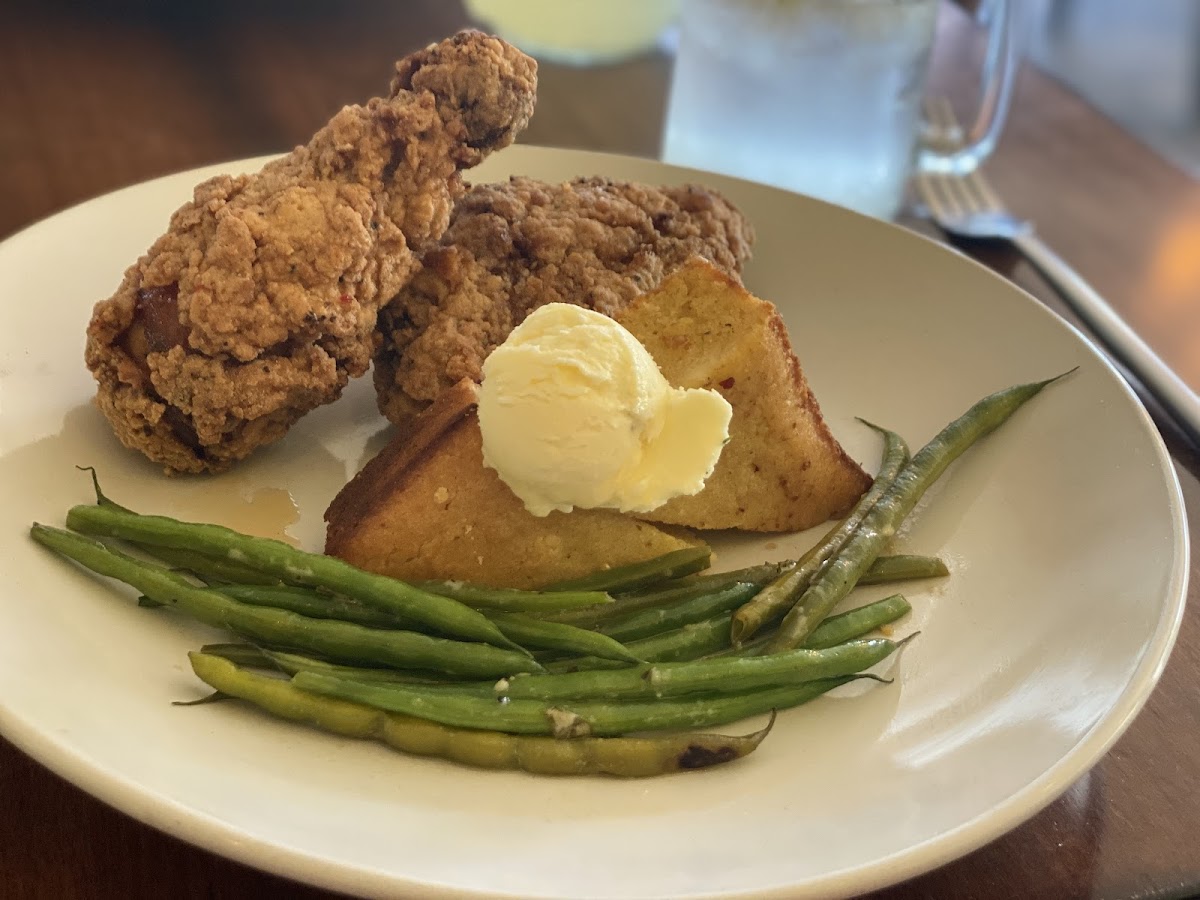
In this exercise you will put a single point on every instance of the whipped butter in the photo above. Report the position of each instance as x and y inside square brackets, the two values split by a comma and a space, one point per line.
[575, 413]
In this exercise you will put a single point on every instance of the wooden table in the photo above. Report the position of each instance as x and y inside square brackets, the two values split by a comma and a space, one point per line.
[96, 97]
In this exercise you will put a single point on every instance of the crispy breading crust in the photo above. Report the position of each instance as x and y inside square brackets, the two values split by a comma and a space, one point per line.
[515, 246]
[280, 274]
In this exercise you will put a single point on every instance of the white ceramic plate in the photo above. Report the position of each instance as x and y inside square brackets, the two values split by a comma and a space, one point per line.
[1065, 532]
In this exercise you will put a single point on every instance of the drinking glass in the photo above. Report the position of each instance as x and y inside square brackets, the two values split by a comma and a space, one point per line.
[577, 32]
[823, 97]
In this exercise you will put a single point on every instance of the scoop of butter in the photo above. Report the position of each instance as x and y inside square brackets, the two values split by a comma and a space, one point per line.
[575, 412]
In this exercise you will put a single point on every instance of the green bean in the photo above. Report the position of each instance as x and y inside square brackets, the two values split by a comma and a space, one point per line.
[532, 632]
[343, 641]
[522, 629]
[760, 573]
[690, 641]
[208, 568]
[700, 639]
[903, 567]
[581, 719]
[246, 655]
[731, 675]
[835, 630]
[774, 600]
[655, 621]
[847, 626]
[885, 568]
[676, 592]
[855, 623]
[183, 558]
[250, 656]
[879, 525]
[474, 596]
[101, 500]
[625, 757]
[710, 638]
[294, 566]
[309, 602]
[624, 604]
[642, 574]
[511, 600]
[536, 632]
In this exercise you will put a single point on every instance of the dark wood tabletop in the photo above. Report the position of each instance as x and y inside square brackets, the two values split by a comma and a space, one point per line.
[97, 96]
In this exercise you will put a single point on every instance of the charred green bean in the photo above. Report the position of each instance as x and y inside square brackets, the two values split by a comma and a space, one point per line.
[624, 757]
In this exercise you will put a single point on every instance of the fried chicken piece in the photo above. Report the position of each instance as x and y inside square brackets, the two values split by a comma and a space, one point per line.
[260, 301]
[513, 247]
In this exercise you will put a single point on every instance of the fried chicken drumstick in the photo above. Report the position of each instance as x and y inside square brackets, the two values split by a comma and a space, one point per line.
[260, 301]
[515, 246]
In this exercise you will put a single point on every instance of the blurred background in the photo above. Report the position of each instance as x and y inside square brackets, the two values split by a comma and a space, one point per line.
[1137, 60]
[273, 70]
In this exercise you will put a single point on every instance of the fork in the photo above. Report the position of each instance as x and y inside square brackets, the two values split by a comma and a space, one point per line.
[964, 205]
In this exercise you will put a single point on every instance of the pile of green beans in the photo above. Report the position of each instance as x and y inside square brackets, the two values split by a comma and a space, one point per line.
[551, 681]
[351, 666]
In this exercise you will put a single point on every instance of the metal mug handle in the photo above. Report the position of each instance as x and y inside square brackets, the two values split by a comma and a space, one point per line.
[964, 153]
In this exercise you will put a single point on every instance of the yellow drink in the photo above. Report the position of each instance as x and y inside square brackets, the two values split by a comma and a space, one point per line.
[577, 31]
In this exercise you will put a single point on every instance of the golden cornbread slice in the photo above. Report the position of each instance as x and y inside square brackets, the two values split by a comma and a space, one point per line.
[427, 508]
[782, 469]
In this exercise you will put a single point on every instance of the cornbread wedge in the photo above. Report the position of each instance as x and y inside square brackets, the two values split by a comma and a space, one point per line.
[426, 507]
[782, 469]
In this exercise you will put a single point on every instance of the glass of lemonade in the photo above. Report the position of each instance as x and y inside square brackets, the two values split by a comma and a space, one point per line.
[578, 32]
[822, 97]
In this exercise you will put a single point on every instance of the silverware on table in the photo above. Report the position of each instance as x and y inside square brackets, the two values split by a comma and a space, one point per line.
[965, 205]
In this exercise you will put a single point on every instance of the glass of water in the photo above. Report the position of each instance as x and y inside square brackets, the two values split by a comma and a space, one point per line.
[822, 97]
